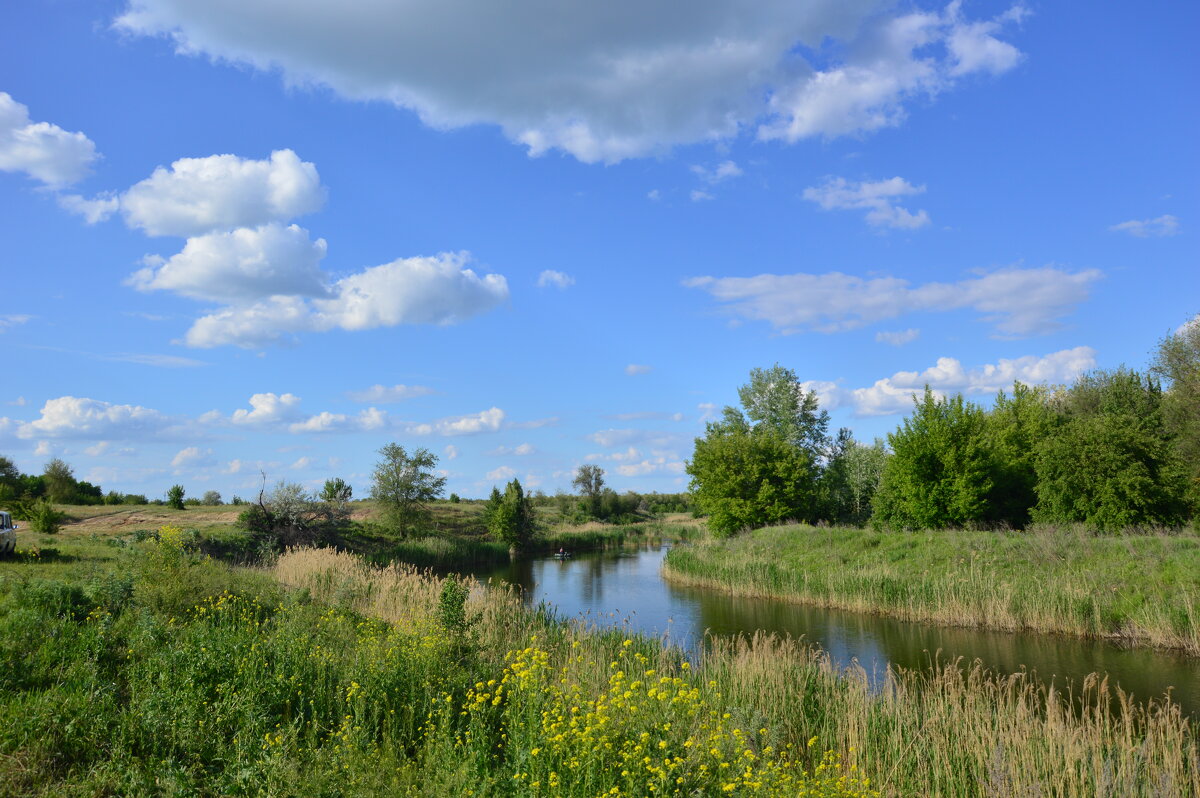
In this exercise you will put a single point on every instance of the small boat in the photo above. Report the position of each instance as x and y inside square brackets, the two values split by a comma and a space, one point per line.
[561, 555]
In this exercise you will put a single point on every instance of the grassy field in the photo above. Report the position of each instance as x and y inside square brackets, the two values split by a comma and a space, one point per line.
[1144, 589]
[147, 669]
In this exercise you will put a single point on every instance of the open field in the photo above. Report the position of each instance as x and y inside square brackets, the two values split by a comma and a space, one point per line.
[1142, 589]
[156, 671]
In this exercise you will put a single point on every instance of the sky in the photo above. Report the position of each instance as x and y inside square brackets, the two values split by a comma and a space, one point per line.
[265, 238]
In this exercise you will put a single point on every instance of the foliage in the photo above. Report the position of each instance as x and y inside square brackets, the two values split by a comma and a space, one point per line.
[211, 499]
[1177, 364]
[336, 492]
[512, 520]
[1016, 426]
[42, 516]
[748, 477]
[286, 517]
[1109, 462]
[60, 481]
[454, 498]
[175, 497]
[850, 478]
[403, 486]
[775, 398]
[939, 474]
[452, 605]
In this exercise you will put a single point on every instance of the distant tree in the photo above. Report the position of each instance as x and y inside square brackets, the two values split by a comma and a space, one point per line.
[492, 506]
[1109, 461]
[850, 478]
[10, 480]
[403, 486]
[237, 501]
[940, 471]
[134, 498]
[336, 492]
[211, 499]
[513, 519]
[774, 397]
[175, 497]
[61, 486]
[454, 498]
[286, 516]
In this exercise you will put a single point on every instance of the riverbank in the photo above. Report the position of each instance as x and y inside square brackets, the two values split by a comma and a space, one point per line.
[1138, 589]
[162, 671]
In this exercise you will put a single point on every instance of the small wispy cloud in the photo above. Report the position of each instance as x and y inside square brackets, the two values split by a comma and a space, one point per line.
[898, 337]
[1160, 227]
[634, 369]
[877, 198]
[557, 279]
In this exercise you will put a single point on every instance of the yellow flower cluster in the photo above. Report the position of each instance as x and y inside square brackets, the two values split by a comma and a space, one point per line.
[645, 734]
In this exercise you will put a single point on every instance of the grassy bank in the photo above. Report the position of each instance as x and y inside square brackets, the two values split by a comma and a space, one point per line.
[1144, 589]
[160, 672]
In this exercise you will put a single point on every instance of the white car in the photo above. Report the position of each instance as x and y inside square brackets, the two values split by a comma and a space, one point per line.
[8, 534]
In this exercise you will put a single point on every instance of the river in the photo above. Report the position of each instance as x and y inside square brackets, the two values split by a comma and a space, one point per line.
[624, 587]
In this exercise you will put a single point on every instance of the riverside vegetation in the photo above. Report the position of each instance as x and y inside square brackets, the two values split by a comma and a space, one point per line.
[160, 671]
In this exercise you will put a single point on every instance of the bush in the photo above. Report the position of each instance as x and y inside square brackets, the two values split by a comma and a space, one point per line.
[43, 518]
[175, 497]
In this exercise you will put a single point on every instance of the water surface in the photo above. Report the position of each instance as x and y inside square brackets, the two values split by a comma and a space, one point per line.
[624, 587]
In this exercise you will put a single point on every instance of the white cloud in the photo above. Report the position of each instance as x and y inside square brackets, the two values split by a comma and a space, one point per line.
[708, 411]
[651, 466]
[20, 401]
[98, 449]
[1017, 301]
[653, 194]
[521, 450]
[559, 280]
[440, 290]
[472, 424]
[894, 394]
[11, 320]
[1160, 227]
[877, 198]
[192, 457]
[41, 150]
[634, 369]
[613, 438]
[537, 423]
[382, 394]
[700, 196]
[222, 192]
[267, 408]
[898, 337]
[92, 210]
[829, 394]
[606, 81]
[301, 463]
[501, 474]
[719, 173]
[241, 265]
[365, 421]
[161, 361]
[92, 419]
[647, 415]
[895, 62]
[451, 451]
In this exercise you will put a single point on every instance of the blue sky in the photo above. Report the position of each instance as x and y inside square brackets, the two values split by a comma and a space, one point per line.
[255, 235]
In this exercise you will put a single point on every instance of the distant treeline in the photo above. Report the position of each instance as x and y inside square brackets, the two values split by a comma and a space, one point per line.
[1116, 450]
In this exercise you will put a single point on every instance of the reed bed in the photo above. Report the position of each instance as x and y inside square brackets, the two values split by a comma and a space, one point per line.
[1144, 590]
[954, 731]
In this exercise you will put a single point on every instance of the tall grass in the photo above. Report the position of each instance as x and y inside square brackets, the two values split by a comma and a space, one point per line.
[953, 731]
[1143, 589]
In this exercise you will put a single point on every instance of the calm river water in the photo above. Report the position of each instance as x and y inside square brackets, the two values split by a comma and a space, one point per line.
[624, 587]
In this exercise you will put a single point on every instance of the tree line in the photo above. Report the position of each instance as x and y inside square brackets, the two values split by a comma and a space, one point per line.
[1117, 449]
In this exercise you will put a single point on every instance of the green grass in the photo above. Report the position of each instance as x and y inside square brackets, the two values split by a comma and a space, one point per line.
[155, 671]
[1144, 589]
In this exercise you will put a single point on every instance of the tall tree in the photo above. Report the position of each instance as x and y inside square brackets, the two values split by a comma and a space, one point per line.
[776, 398]
[939, 474]
[404, 484]
[513, 520]
[60, 482]
[589, 481]
[1177, 364]
[1015, 427]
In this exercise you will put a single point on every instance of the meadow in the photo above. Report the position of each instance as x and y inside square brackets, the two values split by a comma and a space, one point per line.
[1141, 589]
[145, 667]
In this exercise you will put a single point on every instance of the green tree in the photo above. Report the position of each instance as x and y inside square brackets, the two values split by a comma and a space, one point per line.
[513, 520]
[211, 498]
[175, 497]
[850, 479]
[589, 481]
[1016, 425]
[746, 477]
[403, 486]
[61, 486]
[1109, 461]
[940, 471]
[336, 493]
[1177, 364]
[774, 397]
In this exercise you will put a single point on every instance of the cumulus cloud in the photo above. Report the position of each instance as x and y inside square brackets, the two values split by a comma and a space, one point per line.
[898, 337]
[719, 173]
[365, 421]
[634, 369]
[1019, 302]
[439, 290]
[878, 199]
[615, 438]
[451, 451]
[651, 466]
[1160, 227]
[700, 196]
[222, 192]
[488, 420]
[267, 408]
[192, 457]
[608, 81]
[244, 264]
[382, 394]
[520, 450]
[41, 150]
[501, 474]
[559, 280]
[894, 394]
[92, 419]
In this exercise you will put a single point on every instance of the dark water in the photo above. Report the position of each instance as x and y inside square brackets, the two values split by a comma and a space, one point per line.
[624, 587]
